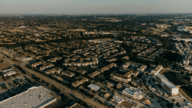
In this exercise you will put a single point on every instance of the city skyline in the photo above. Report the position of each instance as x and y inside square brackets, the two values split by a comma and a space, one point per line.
[94, 6]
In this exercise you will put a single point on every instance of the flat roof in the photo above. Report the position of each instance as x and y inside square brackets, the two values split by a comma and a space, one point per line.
[34, 97]
[132, 91]
[93, 86]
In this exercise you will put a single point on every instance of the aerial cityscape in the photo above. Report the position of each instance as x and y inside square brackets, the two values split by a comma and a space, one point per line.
[134, 59]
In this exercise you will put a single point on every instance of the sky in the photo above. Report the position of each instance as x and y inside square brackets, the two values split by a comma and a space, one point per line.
[94, 6]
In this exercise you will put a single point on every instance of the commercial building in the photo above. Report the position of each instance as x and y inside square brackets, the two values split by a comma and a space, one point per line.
[34, 97]
[169, 87]
[133, 92]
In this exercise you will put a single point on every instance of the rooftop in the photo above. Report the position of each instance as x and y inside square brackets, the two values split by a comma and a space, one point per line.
[34, 97]
[94, 87]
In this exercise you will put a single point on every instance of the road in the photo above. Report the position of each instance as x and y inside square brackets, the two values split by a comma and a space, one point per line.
[64, 89]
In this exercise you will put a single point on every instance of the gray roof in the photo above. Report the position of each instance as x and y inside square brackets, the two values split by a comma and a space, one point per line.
[34, 97]
[94, 87]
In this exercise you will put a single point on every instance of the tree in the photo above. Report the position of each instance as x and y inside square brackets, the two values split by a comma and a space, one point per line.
[178, 104]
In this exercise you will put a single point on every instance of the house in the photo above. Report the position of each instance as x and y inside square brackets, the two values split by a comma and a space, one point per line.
[94, 74]
[125, 58]
[46, 66]
[169, 87]
[73, 68]
[68, 73]
[120, 77]
[118, 99]
[135, 73]
[142, 68]
[126, 65]
[112, 65]
[81, 71]
[94, 87]
[9, 73]
[54, 70]
[134, 64]
[133, 92]
[157, 69]
[111, 60]
[36, 64]
[80, 82]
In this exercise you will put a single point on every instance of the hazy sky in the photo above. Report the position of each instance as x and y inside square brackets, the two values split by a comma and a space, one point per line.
[94, 6]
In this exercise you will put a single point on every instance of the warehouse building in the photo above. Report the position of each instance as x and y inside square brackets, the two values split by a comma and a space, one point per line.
[34, 97]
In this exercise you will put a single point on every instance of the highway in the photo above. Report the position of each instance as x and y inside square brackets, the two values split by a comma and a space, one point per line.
[63, 89]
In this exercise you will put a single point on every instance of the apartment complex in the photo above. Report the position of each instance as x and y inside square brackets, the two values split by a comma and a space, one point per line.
[169, 87]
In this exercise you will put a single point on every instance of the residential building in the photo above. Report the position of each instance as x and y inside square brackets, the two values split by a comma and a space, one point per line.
[120, 77]
[118, 99]
[126, 65]
[94, 87]
[80, 82]
[169, 87]
[46, 66]
[157, 69]
[142, 68]
[68, 73]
